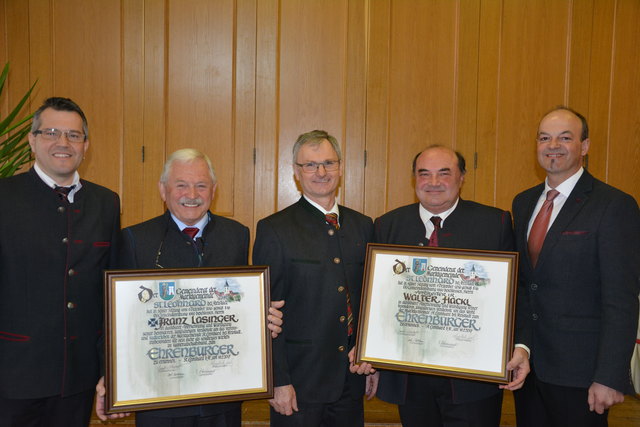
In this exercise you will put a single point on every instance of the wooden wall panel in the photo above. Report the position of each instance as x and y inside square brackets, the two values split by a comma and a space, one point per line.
[532, 77]
[312, 79]
[200, 86]
[624, 120]
[243, 78]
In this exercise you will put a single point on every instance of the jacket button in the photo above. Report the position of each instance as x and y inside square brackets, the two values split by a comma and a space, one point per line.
[65, 240]
[71, 305]
[534, 287]
[331, 232]
[336, 260]
[534, 316]
[420, 244]
[72, 272]
[342, 319]
[341, 348]
[340, 288]
[61, 209]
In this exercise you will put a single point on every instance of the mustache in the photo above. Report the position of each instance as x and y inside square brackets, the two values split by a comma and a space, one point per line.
[189, 201]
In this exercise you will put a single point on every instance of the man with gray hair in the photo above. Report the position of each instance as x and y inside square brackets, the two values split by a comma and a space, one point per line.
[315, 250]
[187, 235]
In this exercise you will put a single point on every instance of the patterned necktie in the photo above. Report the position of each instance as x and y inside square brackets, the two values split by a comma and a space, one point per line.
[63, 192]
[332, 218]
[433, 240]
[540, 226]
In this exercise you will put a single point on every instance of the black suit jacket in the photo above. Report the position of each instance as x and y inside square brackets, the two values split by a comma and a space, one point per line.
[158, 243]
[313, 266]
[578, 309]
[470, 226]
[52, 255]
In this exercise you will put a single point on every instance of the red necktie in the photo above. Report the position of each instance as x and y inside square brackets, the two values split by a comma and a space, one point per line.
[191, 232]
[540, 226]
[63, 192]
[433, 240]
[332, 218]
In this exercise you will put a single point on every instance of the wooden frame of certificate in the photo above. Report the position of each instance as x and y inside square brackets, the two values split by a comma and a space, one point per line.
[177, 337]
[438, 311]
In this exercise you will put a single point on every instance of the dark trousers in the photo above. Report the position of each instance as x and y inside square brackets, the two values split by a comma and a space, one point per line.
[345, 412]
[54, 411]
[230, 418]
[543, 404]
[430, 402]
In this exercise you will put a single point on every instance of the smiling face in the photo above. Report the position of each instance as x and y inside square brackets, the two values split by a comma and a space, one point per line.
[319, 186]
[438, 179]
[188, 190]
[59, 159]
[559, 148]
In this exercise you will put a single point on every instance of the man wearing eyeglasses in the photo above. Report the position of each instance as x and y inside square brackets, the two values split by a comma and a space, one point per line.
[187, 235]
[57, 234]
[315, 250]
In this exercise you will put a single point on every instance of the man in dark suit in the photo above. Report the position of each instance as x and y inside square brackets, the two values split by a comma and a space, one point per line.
[443, 219]
[578, 291]
[187, 185]
[315, 249]
[57, 233]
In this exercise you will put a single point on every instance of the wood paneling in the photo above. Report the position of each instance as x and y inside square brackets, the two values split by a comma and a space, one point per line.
[241, 79]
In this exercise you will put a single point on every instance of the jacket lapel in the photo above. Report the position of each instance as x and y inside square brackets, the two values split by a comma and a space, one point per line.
[570, 209]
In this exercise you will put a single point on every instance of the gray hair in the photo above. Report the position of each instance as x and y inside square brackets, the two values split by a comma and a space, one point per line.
[186, 155]
[315, 137]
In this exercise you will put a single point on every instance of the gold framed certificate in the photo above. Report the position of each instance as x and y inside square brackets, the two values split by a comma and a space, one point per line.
[177, 337]
[438, 311]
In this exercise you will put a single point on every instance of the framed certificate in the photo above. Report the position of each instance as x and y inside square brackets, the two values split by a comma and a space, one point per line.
[438, 311]
[177, 337]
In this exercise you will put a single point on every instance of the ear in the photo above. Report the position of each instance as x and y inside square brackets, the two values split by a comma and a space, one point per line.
[32, 142]
[86, 146]
[163, 191]
[296, 172]
[585, 147]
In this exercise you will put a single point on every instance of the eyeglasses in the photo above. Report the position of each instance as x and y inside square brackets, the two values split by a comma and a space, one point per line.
[54, 134]
[311, 167]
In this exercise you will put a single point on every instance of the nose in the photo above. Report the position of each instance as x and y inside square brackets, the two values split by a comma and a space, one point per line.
[321, 171]
[434, 179]
[192, 192]
[553, 143]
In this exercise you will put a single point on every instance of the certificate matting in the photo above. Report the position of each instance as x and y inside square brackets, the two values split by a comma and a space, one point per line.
[439, 311]
[179, 337]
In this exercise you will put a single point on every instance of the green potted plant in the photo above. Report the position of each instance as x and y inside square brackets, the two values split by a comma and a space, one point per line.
[14, 147]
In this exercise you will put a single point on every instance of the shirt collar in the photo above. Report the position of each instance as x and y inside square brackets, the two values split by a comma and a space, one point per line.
[201, 224]
[425, 215]
[52, 183]
[334, 209]
[567, 185]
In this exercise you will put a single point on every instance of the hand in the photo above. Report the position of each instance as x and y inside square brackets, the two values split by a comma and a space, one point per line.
[101, 391]
[602, 397]
[371, 386]
[274, 318]
[365, 368]
[519, 364]
[284, 400]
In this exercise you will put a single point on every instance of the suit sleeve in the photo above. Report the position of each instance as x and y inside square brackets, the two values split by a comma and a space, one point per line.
[268, 250]
[619, 259]
[523, 309]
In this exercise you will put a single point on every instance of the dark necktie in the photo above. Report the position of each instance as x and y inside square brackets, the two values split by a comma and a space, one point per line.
[433, 240]
[332, 218]
[63, 192]
[540, 226]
